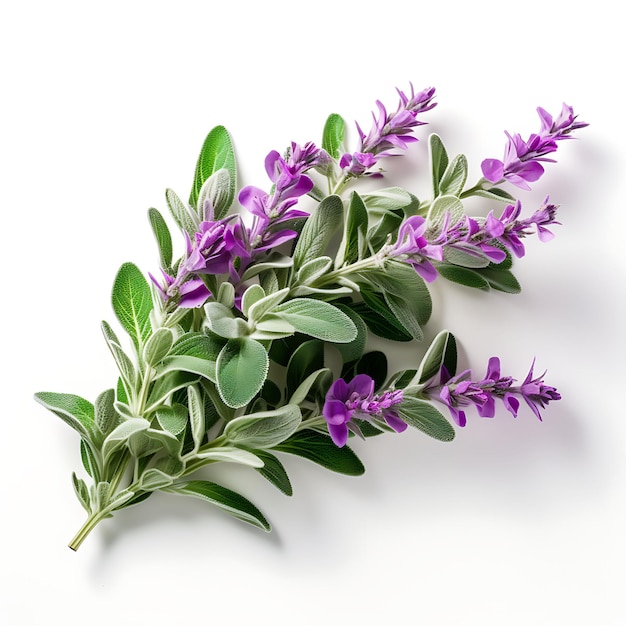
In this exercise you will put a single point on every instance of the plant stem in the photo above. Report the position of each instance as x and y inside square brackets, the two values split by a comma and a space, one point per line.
[92, 521]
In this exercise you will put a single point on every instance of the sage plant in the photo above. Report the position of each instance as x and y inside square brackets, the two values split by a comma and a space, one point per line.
[223, 353]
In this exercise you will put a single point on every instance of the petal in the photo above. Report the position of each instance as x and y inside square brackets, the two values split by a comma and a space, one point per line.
[395, 422]
[493, 170]
[339, 434]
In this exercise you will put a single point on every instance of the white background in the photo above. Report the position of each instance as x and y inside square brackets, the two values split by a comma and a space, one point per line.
[105, 105]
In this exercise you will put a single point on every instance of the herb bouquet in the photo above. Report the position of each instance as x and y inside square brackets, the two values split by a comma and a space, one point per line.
[253, 343]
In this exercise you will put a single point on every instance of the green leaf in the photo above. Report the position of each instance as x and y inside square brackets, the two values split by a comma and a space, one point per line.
[173, 418]
[157, 346]
[185, 219]
[132, 303]
[305, 359]
[165, 386]
[121, 435]
[73, 410]
[105, 414]
[217, 190]
[438, 161]
[500, 279]
[275, 261]
[302, 390]
[463, 276]
[454, 177]
[216, 153]
[494, 193]
[230, 454]
[353, 350]
[332, 137]
[374, 364]
[196, 416]
[197, 344]
[317, 319]
[274, 471]
[320, 449]
[425, 417]
[434, 357]
[163, 238]
[241, 371]
[258, 309]
[354, 242]
[318, 230]
[470, 256]
[124, 364]
[440, 208]
[391, 199]
[221, 321]
[265, 429]
[224, 498]
[186, 363]
[89, 460]
[379, 318]
[82, 492]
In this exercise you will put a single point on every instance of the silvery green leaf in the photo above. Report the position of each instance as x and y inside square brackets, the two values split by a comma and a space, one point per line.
[105, 414]
[120, 499]
[90, 463]
[221, 321]
[438, 161]
[123, 410]
[196, 416]
[186, 363]
[165, 386]
[173, 418]
[185, 219]
[454, 176]
[425, 417]
[121, 434]
[320, 449]
[379, 318]
[198, 345]
[304, 291]
[82, 493]
[463, 276]
[500, 279]
[265, 429]
[318, 230]
[465, 256]
[258, 309]
[318, 319]
[224, 498]
[226, 294]
[153, 479]
[163, 238]
[275, 261]
[122, 360]
[313, 269]
[353, 244]
[440, 207]
[230, 454]
[494, 193]
[353, 350]
[332, 137]
[274, 471]
[214, 198]
[303, 389]
[433, 359]
[100, 495]
[132, 302]
[157, 346]
[73, 410]
[270, 329]
[404, 311]
[269, 281]
[386, 228]
[382, 201]
[217, 153]
[252, 294]
[241, 370]
[307, 358]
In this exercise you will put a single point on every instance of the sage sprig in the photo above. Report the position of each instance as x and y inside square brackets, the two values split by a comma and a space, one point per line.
[224, 355]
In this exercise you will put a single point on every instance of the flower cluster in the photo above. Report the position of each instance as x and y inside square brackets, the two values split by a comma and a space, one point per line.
[522, 159]
[390, 131]
[346, 401]
[461, 391]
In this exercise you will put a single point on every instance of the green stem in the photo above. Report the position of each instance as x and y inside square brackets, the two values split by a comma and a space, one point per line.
[92, 521]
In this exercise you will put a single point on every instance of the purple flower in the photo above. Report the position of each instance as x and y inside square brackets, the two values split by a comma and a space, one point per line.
[413, 248]
[390, 131]
[460, 391]
[522, 159]
[212, 250]
[356, 399]
[289, 185]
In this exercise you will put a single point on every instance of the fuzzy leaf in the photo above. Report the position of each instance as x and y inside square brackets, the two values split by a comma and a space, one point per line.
[265, 429]
[132, 303]
[454, 177]
[241, 370]
[224, 498]
[163, 238]
[73, 410]
[425, 417]
[274, 471]
[332, 137]
[216, 153]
